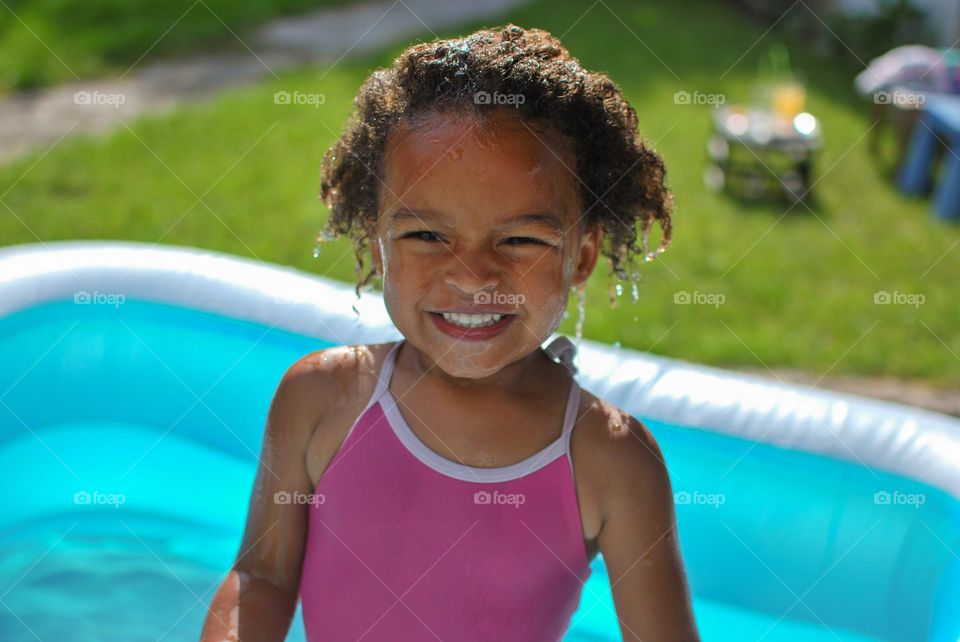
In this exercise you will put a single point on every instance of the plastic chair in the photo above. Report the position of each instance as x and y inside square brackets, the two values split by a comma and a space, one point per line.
[940, 122]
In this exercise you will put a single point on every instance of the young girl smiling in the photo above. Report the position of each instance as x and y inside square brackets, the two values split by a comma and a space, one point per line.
[459, 482]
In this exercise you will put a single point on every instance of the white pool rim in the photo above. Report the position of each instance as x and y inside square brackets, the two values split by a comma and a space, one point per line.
[880, 435]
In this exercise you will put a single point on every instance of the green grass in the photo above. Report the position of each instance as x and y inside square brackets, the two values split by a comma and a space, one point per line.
[799, 290]
[47, 41]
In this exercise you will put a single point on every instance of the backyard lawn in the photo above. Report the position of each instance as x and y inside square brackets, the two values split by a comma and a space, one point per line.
[88, 38]
[240, 175]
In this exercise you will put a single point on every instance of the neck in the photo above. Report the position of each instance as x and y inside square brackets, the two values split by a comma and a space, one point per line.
[509, 378]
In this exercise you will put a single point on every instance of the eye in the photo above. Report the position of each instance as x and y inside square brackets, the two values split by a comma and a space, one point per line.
[524, 240]
[419, 235]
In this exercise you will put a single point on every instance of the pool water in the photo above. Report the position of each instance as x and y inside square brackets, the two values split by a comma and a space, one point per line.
[128, 442]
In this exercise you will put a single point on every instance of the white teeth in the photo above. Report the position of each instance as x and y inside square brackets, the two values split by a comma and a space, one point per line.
[472, 320]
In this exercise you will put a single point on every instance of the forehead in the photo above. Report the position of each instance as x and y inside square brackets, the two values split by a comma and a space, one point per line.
[465, 162]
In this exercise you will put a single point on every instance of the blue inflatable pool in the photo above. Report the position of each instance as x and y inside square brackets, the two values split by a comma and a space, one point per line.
[134, 385]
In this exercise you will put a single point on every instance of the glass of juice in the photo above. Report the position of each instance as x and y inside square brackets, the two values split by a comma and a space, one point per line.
[789, 98]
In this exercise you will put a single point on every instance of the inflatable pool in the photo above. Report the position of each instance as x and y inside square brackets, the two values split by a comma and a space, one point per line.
[134, 385]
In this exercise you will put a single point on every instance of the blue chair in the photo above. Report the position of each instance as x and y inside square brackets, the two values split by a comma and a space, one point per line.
[940, 121]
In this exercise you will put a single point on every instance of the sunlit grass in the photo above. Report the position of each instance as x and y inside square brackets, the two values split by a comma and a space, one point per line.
[798, 288]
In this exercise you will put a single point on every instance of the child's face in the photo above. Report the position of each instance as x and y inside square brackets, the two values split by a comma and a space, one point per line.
[466, 184]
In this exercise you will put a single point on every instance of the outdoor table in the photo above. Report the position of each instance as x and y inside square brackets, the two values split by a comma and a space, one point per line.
[756, 151]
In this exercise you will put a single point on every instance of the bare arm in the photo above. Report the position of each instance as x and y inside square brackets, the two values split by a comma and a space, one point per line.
[639, 543]
[257, 600]
[246, 607]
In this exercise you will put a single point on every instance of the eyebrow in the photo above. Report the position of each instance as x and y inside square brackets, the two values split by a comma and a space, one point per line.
[543, 219]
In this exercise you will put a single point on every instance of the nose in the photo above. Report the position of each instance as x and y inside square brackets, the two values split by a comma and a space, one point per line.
[471, 272]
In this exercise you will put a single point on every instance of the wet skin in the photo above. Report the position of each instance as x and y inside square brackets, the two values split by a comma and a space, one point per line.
[449, 226]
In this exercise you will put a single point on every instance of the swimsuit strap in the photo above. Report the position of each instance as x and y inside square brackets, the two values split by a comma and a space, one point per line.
[564, 351]
[561, 349]
[386, 370]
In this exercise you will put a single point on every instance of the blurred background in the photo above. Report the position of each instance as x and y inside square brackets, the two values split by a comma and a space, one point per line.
[203, 124]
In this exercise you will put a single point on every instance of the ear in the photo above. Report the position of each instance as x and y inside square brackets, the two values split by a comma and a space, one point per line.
[589, 252]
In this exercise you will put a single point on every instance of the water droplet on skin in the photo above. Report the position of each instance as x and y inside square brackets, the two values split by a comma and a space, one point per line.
[635, 292]
[619, 289]
[581, 312]
[316, 252]
[616, 344]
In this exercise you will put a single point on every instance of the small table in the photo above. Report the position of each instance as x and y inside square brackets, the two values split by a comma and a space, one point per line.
[755, 152]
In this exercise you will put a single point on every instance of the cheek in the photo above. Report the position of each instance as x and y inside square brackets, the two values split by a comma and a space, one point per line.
[545, 291]
[391, 268]
[547, 274]
[405, 278]
[569, 267]
[554, 307]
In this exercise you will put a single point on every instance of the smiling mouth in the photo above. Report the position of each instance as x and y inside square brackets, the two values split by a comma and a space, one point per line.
[465, 320]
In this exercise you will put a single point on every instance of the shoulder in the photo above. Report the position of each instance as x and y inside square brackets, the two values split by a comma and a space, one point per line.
[638, 535]
[328, 366]
[323, 381]
[620, 456]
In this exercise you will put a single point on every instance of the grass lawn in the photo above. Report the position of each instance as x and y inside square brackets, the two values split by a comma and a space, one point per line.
[95, 37]
[799, 288]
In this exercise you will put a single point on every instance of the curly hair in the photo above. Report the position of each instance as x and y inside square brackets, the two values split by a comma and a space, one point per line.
[620, 178]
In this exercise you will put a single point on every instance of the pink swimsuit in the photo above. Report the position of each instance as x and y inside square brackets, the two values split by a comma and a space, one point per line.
[404, 544]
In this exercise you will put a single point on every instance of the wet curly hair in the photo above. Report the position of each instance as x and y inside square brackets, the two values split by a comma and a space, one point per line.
[621, 178]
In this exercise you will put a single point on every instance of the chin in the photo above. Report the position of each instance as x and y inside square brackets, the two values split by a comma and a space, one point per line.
[468, 366]
[471, 373]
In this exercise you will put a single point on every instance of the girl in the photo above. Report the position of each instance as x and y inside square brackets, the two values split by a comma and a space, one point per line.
[456, 484]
